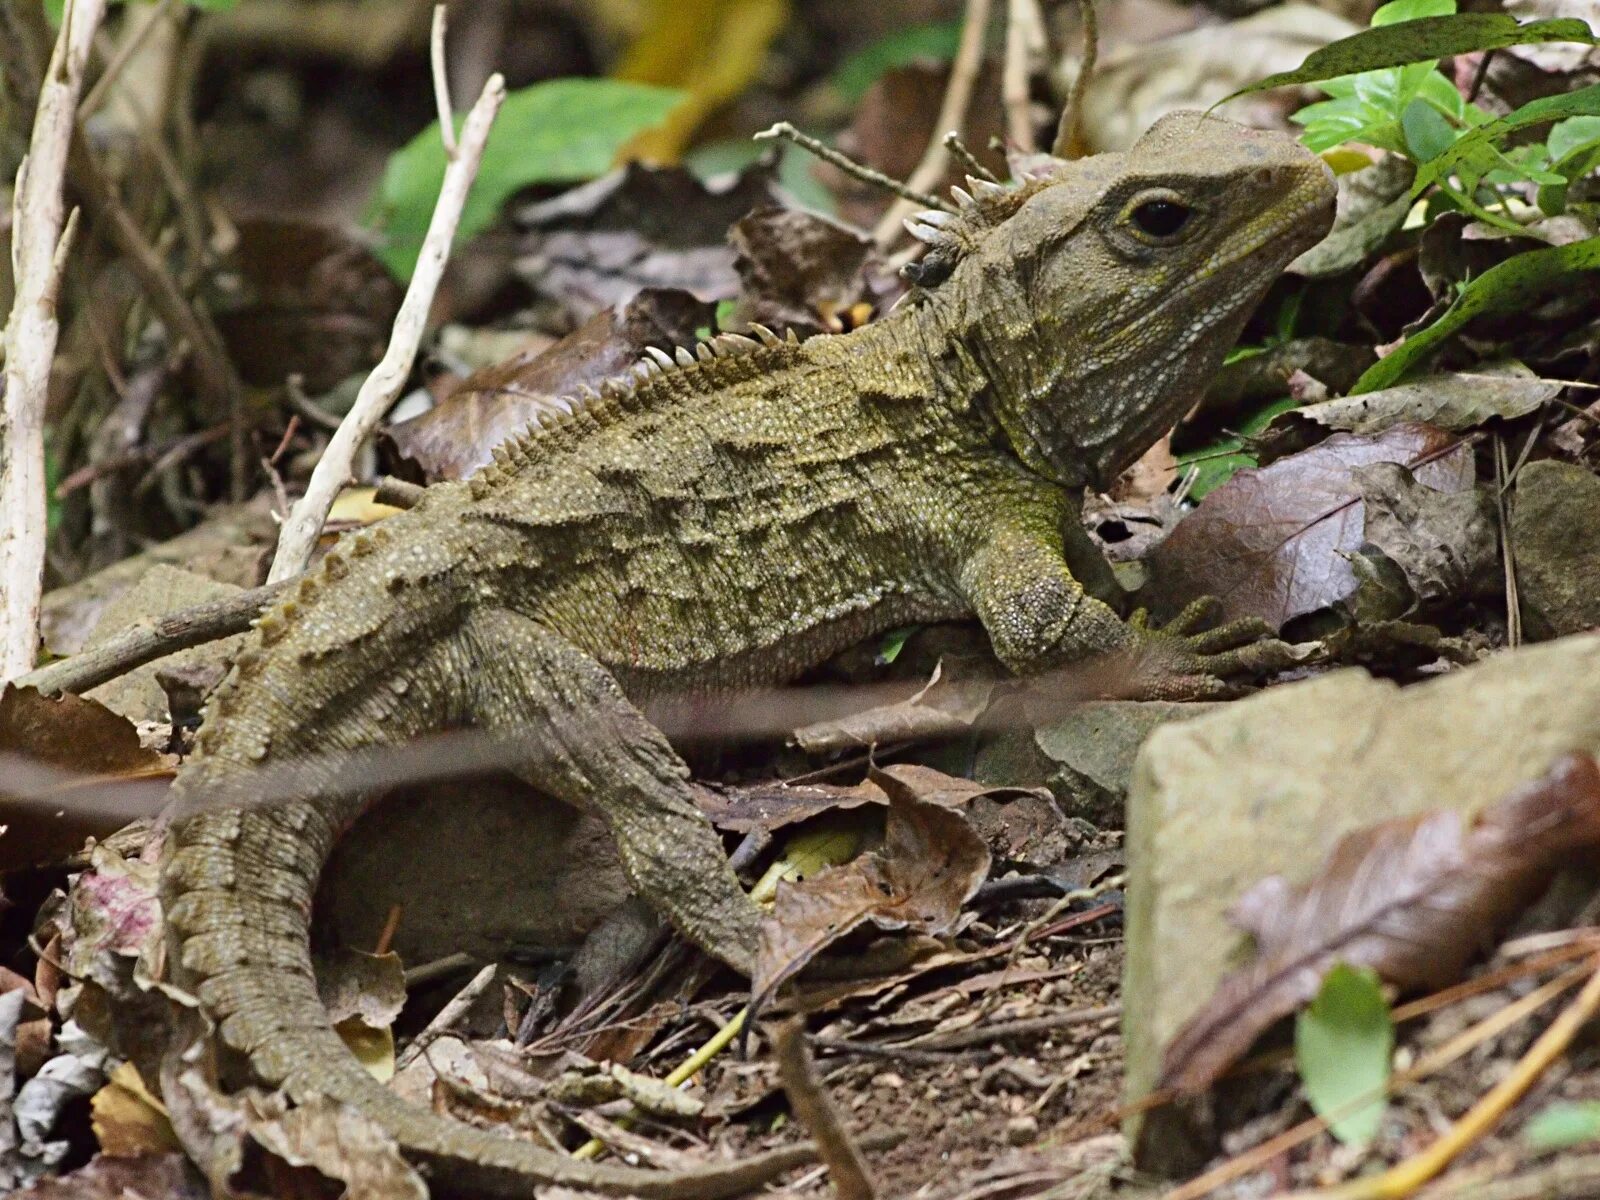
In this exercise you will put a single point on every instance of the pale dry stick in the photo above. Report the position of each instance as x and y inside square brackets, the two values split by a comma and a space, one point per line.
[378, 392]
[120, 57]
[1069, 131]
[40, 235]
[441, 80]
[815, 1108]
[952, 113]
[1025, 45]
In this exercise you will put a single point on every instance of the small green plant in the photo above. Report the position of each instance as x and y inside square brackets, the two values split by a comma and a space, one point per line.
[1343, 1043]
[559, 131]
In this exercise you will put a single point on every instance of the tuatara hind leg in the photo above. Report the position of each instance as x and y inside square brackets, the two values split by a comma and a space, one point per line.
[592, 748]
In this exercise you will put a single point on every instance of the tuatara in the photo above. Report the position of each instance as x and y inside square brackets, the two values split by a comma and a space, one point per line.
[723, 518]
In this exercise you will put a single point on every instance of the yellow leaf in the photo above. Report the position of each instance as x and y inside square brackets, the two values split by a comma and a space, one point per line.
[374, 1047]
[358, 505]
[128, 1121]
[1344, 160]
[711, 49]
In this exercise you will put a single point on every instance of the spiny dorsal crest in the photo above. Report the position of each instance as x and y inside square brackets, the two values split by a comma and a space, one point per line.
[592, 407]
[980, 206]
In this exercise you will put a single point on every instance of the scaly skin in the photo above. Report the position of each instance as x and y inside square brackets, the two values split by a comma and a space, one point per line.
[722, 524]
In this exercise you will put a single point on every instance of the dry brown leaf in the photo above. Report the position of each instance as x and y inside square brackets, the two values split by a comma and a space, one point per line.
[302, 299]
[931, 863]
[128, 1121]
[1413, 899]
[1273, 543]
[459, 436]
[167, 1176]
[342, 1143]
[774, 806]
[84, 737]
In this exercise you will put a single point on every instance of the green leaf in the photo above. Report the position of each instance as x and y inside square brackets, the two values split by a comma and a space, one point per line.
[1428, 134]
[559, 131]
[1343, 1043]
[1422, 40]
[1397, 11]
[1563, 1124]
[1476, 152]
[1506, 287]
[1573, 134]
[893, 642]
[934, 42]
[1217, 463]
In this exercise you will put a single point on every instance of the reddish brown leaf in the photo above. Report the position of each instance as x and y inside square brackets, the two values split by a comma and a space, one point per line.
[303, 299]
[105, 1178]
[1413, 898]
[1272, 542]
[82, 736]
[931, 864]
[596, 245]
[456, 438]
[774, 806]
[800, 271]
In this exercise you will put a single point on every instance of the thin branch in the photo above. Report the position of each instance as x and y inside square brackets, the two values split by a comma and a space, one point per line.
[38, 248]
[184, 321]
[120, 58]
[146, 642]
[816, 1111]
[968, 160]
[1069, 133]
[441, 82]
[850, 166]
[1025, 45]
[383, 385]
[952, 115]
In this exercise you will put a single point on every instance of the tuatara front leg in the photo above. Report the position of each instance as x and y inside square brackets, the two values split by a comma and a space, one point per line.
[1040, 618]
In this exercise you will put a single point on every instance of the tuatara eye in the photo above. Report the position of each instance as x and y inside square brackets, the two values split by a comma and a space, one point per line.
[1161, 218]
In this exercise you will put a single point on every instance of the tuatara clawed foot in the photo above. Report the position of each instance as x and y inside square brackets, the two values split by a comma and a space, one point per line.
[1182, 660]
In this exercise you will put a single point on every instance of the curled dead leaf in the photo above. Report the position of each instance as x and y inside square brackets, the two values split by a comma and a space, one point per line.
[1413, 899]
[931, 864]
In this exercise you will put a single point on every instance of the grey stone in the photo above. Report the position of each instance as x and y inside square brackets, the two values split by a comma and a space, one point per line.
[1554, 516]
[1267, 785]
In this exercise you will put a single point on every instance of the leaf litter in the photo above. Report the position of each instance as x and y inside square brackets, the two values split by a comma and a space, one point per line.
[925, 987]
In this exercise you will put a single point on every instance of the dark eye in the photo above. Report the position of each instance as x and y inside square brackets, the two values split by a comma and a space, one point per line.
[1161, 218]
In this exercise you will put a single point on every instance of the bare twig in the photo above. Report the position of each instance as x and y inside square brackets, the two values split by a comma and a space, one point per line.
[441, 81]
[160, 637]
[849, 165]
[183, 320]
[952, 113]
[398, 493]
[383, 385]
[1025, 44]
[816, 1111]
[448, 1015]
[121, 56]
[1069, 133]
[38, 253]
[968, 160]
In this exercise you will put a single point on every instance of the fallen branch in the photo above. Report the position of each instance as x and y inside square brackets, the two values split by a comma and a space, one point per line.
[38, 252]
[194, 626]
[381, 387]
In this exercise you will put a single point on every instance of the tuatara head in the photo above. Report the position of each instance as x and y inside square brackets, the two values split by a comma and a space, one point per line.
[1100, 299]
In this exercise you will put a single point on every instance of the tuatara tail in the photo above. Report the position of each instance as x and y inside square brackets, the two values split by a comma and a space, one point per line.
[237, 888]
